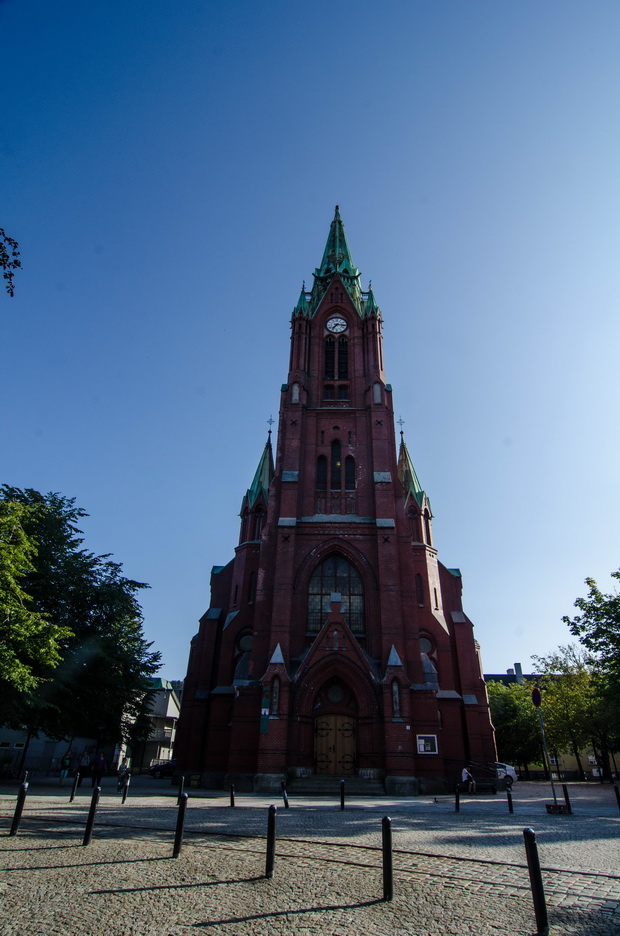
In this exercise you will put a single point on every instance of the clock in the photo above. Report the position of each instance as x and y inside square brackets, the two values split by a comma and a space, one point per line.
[336, 324]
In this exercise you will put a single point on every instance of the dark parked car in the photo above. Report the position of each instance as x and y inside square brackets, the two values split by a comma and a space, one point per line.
[163, 768]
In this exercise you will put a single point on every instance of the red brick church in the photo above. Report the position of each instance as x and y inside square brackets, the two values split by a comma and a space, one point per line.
[336, 644]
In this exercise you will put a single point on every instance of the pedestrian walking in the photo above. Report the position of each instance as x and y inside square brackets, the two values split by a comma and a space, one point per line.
[98, 768]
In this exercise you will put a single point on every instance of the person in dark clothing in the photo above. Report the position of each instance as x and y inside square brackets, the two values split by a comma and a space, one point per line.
[98, 768]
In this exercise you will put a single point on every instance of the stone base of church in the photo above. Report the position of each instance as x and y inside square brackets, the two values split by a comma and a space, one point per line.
[268, 783]
[434, 786]
[401, 786]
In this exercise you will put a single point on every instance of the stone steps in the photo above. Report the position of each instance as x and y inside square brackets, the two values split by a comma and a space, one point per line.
[317, 785]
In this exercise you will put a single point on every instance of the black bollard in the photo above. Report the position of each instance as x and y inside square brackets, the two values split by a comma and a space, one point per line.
[509, 798]
[19, 807]
[538, 894]
[178, 835]
[127, 779]
[271, 841]
[284, 793]
[617, 792]
[232, 795]
[91, 816]
[181, 789]
[457, 799]
[566, 800]
[76, 780]
[388, 875]
[342, 794]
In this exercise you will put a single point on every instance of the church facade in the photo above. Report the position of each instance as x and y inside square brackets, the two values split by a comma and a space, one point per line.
[335, 644]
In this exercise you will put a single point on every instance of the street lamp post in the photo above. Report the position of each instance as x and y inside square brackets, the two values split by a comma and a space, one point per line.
[536, 700]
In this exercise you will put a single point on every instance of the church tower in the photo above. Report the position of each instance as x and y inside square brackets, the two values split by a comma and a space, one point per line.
[336, 644]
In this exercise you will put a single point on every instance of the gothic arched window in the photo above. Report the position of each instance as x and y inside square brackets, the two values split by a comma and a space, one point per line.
[258, 524]
[321, 473]
[343, 358]
[330, 357]
[395, 699]
[419, 590]
[336, 574]
[427, 528]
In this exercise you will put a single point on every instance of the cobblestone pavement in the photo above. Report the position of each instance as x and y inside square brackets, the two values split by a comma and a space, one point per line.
[459, 873]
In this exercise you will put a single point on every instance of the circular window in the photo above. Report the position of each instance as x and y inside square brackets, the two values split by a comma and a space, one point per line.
[425, 645]
[245, 643]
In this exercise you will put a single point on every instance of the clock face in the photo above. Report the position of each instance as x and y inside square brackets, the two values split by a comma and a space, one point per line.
[336, 324]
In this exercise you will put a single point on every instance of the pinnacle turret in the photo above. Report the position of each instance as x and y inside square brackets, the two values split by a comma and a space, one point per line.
[263, 477]
[408, 477]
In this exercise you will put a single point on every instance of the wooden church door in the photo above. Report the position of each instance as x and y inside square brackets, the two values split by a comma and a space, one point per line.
[334, 744]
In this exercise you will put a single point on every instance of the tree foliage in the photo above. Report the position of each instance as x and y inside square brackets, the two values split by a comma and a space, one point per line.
[9, 260]
[517, 731]
[598, 630]
[570, 701]
[598, 626]
[101, 682]
[30, 644]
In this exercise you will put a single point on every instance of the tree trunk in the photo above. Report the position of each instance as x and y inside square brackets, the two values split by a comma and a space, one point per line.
[582, 773]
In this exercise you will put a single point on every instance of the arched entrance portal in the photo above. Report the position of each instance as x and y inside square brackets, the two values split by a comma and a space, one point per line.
[335, 730]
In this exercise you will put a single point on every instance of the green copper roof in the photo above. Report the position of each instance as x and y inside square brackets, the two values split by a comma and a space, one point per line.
[264, 475]
[408, 477]
[370, 306]
[302, 307]
[337, 261]
[337, 256]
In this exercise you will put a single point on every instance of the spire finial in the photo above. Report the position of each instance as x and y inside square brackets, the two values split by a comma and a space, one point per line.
[270, 422]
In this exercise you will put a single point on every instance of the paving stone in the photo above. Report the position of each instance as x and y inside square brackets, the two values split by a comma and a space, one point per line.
[454, 873]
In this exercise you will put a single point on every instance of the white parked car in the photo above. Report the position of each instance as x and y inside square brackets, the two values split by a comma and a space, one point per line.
[507, 772]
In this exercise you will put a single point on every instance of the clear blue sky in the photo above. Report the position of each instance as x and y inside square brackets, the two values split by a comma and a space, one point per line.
[170, 170]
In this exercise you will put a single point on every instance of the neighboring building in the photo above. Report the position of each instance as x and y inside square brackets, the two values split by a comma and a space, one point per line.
[41, 755]
[164, 714]
[336, 644]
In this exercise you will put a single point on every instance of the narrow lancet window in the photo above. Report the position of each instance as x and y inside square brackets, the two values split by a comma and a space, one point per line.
[343, 358]
[330, 358]
[419, 590]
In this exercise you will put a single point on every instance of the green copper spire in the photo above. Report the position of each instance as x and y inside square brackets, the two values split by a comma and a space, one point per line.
[263, 477]
[370, 306]
[336, 261]
[337, 256]
[409, 479]
[302, 307]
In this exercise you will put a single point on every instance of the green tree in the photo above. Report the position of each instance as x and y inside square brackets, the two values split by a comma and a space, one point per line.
[101, 683]
[570, 701]
[9, 260]
[598, 629]
[517, 733]
[30, 644]
[598, 626]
